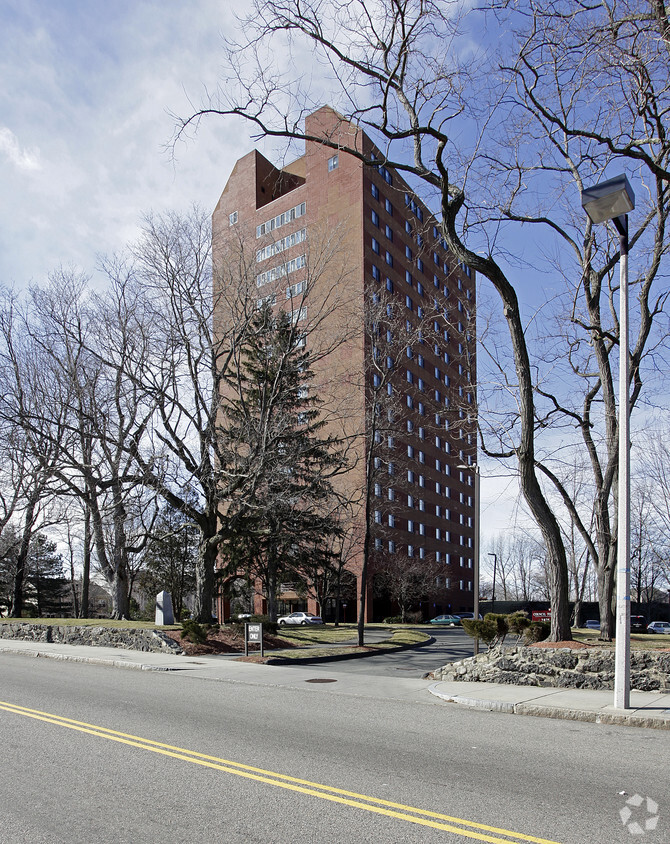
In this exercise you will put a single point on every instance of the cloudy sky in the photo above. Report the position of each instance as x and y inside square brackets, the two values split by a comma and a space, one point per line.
[85, 119]
[88, 87]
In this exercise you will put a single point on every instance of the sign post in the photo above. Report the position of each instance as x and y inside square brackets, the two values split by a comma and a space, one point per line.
[253, 634]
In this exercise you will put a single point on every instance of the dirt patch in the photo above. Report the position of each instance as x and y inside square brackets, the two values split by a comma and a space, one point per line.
[224, 641]
[575, 646]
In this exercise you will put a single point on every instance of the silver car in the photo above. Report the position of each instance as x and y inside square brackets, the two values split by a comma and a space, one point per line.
[659, 627]
[302, 618]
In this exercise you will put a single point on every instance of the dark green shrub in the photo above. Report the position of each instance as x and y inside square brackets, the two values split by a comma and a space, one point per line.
[193, 632]
[393, 619]
[537, 631]
[501, 625]
[479, 628]
[518, 623]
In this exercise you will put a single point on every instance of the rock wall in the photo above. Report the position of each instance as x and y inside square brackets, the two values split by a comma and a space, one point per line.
[106, 637]
[583, 668]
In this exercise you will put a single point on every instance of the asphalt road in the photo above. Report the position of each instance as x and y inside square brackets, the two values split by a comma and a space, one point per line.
[364, 769]
[451, 643]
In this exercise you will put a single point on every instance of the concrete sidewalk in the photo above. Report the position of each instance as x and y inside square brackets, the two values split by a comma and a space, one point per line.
[648, 709]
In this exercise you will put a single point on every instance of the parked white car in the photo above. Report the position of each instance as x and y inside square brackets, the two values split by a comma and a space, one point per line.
[302, 618]
[659, 627]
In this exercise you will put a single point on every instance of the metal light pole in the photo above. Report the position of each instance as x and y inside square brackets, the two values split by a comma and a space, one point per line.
[475, 574]
[612, 200]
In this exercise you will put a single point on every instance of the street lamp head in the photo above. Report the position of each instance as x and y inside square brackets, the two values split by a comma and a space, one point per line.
[608, 200]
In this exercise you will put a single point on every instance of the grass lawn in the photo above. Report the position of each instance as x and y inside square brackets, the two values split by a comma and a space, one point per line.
[638, 641]
[398, 639]
[318, 634]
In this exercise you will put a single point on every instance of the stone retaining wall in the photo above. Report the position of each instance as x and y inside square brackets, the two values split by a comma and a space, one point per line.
[106, 637]
[583, 668]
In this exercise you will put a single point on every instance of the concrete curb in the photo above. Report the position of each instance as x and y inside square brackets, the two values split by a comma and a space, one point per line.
[623, 719]
[90, 660]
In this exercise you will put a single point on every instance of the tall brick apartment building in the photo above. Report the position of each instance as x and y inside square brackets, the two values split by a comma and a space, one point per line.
[329, 203]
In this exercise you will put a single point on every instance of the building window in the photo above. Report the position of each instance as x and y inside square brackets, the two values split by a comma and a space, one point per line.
[410, 526]
[376, 273]
[410, 550]
[389, 285]
[378, 490]
[410, 376]
[391, 520]
[232, 218]
[419, 265]
[388, 206]
[281, 219]
[378, 517]
[408, 303]
[422, 553]
[298, 314]
[408, 278]
[376, 248]
[378, 544]
[389, 232]
[333, 162]
[375, 218]
[408, 253]
[391, 494]
[375, 190]
[389, 259]
[296, 289]
[391, 546]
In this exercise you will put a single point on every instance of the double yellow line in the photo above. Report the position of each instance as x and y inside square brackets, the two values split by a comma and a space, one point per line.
[410, 814]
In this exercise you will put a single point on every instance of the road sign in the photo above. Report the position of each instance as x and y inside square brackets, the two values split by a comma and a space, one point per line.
[253, 633]
[541, 615]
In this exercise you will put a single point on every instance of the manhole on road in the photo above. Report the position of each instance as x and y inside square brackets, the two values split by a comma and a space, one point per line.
[321, 680]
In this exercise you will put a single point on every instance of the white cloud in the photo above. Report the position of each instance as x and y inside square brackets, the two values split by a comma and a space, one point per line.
[10, 148]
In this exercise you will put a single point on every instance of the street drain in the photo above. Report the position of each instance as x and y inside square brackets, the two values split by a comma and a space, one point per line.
[321, 680]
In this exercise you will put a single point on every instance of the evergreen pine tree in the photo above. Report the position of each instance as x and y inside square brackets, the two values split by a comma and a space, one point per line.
[280, 458]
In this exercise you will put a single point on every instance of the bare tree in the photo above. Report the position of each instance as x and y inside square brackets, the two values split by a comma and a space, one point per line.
[396, 76]
[617, 54]
[406, 580]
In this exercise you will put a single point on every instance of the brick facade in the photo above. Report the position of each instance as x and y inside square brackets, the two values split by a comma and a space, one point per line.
[369, 238]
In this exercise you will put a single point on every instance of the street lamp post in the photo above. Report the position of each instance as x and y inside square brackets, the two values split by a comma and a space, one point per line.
[612, 200]
[475, 573]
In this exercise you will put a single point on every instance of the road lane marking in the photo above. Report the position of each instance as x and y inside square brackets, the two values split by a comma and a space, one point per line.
[470, 829]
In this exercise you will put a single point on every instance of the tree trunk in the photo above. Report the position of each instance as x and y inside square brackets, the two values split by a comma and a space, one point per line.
[606, 583]
[86, 574]
[120, 601]
[204, 580]
[22, 559]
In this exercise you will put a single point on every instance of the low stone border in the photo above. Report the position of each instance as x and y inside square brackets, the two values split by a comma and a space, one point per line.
[584, 668]
[151, 641]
